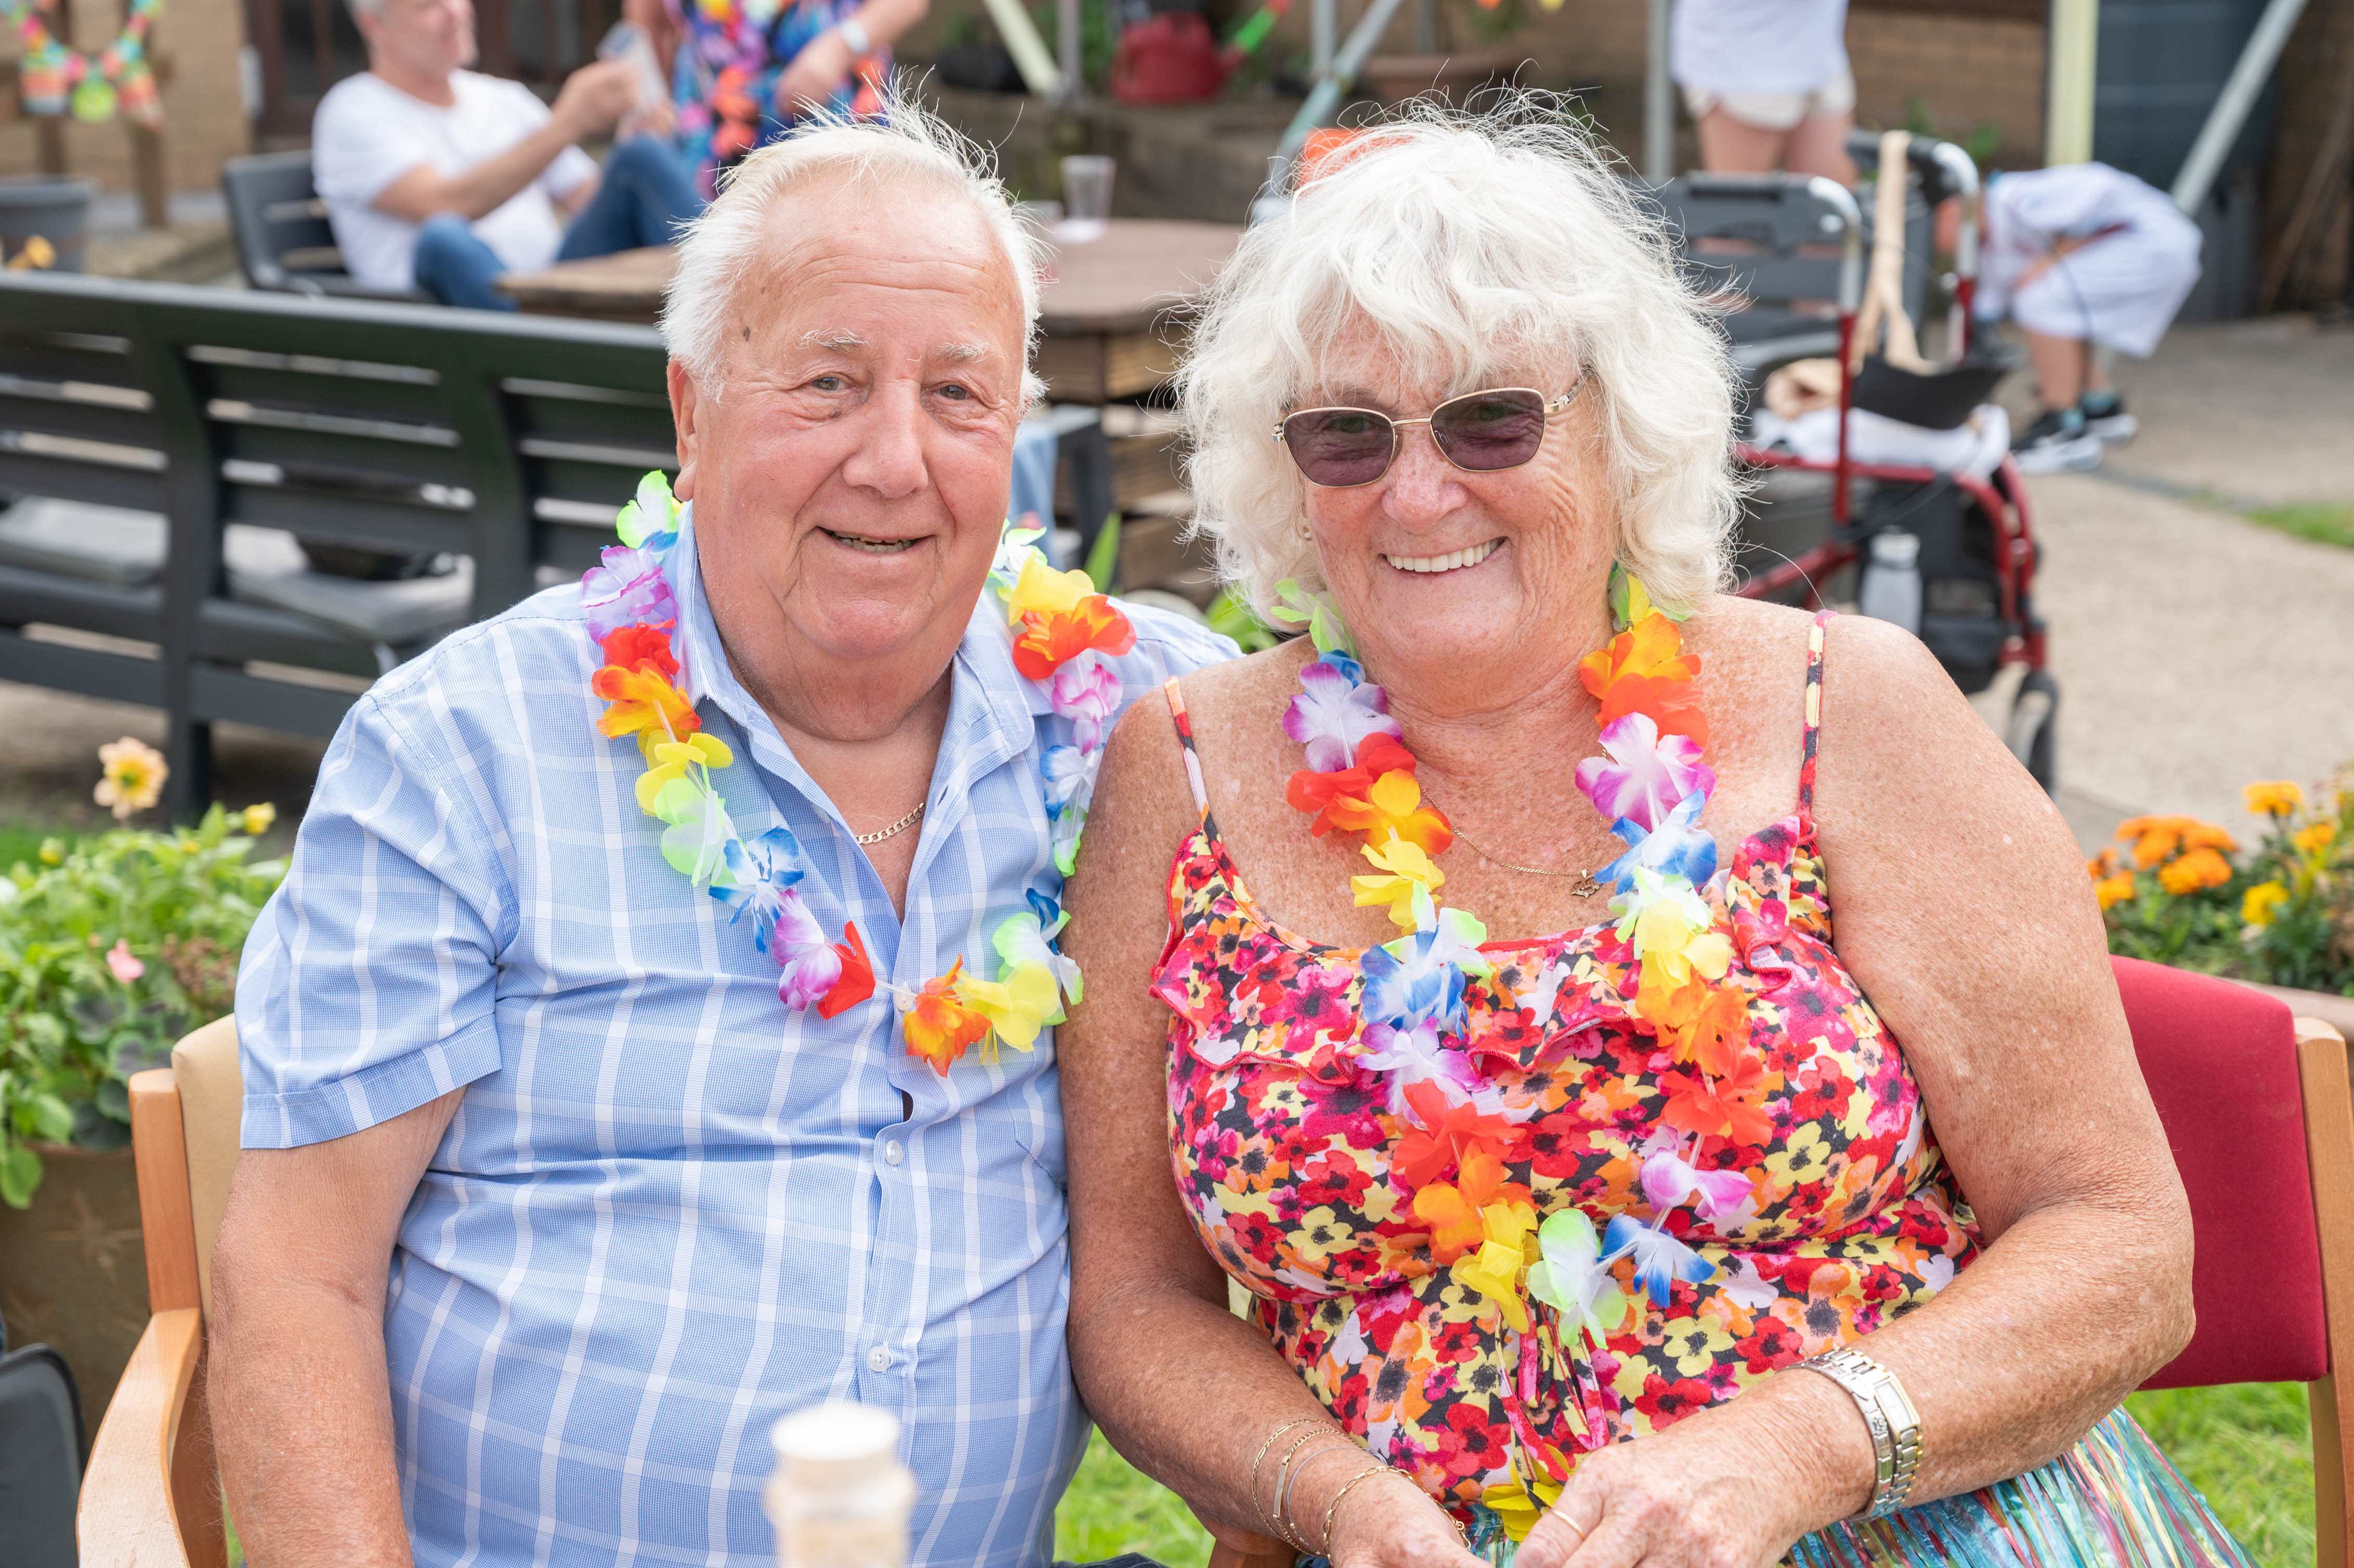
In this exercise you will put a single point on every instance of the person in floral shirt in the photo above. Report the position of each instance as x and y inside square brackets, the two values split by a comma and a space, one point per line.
[744, 71]
[1804, 1170]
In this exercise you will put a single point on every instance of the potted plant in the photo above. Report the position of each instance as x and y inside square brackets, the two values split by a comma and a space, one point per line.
[112, 947]
[2281, 918]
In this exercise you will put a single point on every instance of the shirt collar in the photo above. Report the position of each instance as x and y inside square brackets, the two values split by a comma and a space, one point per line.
[992, 709]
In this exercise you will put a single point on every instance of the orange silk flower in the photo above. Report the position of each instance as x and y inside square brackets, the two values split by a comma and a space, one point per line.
[643, 703]
[1452, 1212]
[1728, 1107]
[1651, 647]
[640, 647]
[939, 1027]
[1393, 805]
[1314, 793]
[1700, 1022]
[1449, 1135]
[1049, 640]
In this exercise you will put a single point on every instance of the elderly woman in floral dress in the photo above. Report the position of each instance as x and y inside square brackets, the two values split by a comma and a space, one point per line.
[1686, 1232]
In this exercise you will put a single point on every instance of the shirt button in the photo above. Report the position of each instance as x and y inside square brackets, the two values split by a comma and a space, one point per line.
[879, 1358]
[894, 1152]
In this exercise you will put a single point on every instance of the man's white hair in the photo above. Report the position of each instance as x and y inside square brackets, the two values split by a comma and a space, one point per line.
[1470, 247]
[908, 150]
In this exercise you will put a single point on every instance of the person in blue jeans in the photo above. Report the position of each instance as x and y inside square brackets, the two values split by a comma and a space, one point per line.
[642, 197]
[438, 178]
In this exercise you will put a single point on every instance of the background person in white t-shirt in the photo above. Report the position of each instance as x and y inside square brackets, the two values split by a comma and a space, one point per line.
[1768, 82]
[437, 177]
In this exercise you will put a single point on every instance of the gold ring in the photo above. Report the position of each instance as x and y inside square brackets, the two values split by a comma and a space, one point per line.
[1571, 1520]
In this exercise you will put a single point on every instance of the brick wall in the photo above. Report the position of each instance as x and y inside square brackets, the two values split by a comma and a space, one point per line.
[203, 110]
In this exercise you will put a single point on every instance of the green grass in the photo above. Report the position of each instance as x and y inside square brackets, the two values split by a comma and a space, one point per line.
[1111, 1509]
[2246, 1448]
[2249, 1450]
[2323, 522]
[20, 840]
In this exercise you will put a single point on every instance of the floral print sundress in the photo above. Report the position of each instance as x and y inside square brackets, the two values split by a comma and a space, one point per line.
[1282, 1150]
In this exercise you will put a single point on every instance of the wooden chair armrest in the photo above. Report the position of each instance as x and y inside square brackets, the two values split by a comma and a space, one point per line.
[127, 1517]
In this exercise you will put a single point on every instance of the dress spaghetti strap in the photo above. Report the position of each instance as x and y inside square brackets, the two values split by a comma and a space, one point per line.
[1185, 739]
[1814, 714]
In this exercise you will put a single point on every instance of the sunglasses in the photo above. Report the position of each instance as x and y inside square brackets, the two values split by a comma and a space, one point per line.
[1479, 432]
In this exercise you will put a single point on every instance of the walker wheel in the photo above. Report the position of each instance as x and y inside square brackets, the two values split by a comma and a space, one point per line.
[2034, 732]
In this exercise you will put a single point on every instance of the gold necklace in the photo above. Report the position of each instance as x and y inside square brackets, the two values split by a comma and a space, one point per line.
[881, 833]
[1586, 887]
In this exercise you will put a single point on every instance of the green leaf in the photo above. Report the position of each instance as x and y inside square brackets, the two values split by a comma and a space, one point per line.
[52, 1119]
[1103, 558]
[20, 1174]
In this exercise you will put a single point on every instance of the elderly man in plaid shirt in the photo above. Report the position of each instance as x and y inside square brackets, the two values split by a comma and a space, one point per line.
[549, 1205]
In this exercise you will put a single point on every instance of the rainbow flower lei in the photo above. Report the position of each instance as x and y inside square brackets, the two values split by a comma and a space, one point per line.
[1065, 634]
[1653, 785]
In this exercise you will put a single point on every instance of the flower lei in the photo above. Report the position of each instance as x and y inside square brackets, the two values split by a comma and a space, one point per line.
[1064, 635]
[1653, 787]
[53, 76]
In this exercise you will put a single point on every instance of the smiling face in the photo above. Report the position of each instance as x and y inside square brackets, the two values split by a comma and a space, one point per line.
[1433, 567]
[851, 468]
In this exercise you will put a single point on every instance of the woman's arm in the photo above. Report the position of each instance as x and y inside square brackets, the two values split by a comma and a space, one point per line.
[1962, 909]
[1185, 1390]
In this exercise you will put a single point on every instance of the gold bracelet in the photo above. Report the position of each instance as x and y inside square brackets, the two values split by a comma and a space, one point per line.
[1261, 1457]
[1282, 1479]
[1346, 1487]
[1283, 1504]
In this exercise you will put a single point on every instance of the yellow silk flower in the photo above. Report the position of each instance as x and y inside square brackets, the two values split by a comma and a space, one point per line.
[1518, 1509]
[1043, 588]
[1496, 1268]
[671, 759]
[1671, 923]
[1017, 1005]
[1406, 869]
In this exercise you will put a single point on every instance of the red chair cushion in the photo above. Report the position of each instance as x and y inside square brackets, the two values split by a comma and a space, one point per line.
[2220, 1061]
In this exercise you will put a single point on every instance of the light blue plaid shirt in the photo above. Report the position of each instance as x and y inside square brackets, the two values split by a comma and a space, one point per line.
[668, 1210]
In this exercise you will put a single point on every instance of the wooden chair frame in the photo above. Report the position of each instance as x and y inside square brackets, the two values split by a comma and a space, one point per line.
[151, 1497]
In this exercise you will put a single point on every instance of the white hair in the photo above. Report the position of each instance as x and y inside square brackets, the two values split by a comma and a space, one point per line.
[906, 149]
[1504, 242]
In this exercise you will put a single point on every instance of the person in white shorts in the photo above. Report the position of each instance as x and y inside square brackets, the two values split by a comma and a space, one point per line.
[1768, 82]
[2082, 256]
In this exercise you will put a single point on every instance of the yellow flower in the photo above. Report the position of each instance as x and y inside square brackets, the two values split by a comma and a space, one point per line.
[2114, 890]
[53, 852]
[133, 776]
[1017, 1005]
[2315, 839]
[1519, 1512]
[2277, 799]
[2261, 902]
[671, 759]
[2194, 871]
[1043, 588]
[1408, 871]
[257, 819]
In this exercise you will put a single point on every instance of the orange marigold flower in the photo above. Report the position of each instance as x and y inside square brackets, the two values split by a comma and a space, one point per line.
[939, 1027]
[2276, 799]
[1049, 640]
[2315, 838]
[2193, 871]
[2114, 890]
[2156, 838]
[2103, 864]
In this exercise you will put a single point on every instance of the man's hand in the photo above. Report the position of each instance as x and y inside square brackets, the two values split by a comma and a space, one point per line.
[301, 1397]
[594, 97]
[814, 75]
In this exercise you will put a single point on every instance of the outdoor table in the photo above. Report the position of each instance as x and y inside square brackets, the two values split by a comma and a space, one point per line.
[1106, 306]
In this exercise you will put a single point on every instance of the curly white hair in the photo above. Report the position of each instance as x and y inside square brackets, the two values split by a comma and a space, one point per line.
[1472, 245]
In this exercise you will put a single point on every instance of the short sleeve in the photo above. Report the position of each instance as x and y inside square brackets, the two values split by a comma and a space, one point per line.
[565, 175]
[369, 984]
[356, 149]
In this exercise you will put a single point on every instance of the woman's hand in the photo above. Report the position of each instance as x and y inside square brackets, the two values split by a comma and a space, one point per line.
[1730, 1489]
[1387, 1521]
[813, 77]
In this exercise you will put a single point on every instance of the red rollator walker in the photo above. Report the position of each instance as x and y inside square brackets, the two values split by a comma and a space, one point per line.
[1786, 254]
